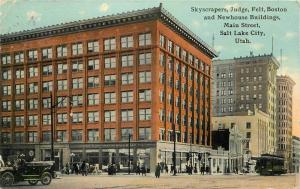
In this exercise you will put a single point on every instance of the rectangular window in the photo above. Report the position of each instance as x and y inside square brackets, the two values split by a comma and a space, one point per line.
[6, 59]
[126, 133]
[110, 62]
[127, 115]
[110, 98]
[248, 125]
[93, 99]
[127, 60]
[6, 105]
[62, 118]
[19, 105]
[47, 53]
[6, 74]
[110, 44]
[62, 136]
[77, 83]
[77, 117]
[93, 64]
[20, 121]
[145, 58]
[248, 135]
[33, 72]
[127, 42]
[77, 49]
[61, 101]
[93, 82]
[46, 103]
[109, 135]
[77, 65]
[109, 80]
[145, 76]
[144, 133]
[6, 122]
[32, 136]
[47, 70]
[145, 95]
[32, 55]
[170, 47]
[47, 86]
[6, 89]
[93, 117]
[162, 41]
[127, 96]
[145, 114]
[61, 51]
[93, 46]
[46, 136]
[33, 120]
[109, 115]
[6, 138]
[47, 119]
[93, 135]
[19, 73]
[62, 85]
[62, 68]
[19, 137]
[77, 100]
[127, 78]
[77, 135]
[145, 39]
[33, 104]
[19, 57]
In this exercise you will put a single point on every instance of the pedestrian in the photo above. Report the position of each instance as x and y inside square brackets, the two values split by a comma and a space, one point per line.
[167, 169]
[138, 170]
[67, 168]
[157, 171]
[83, 169]
[143, 170]
[1, 162]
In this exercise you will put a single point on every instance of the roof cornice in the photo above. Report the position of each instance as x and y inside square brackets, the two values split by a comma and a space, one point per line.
[110, 21]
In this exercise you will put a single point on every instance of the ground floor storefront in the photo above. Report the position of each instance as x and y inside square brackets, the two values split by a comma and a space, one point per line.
[121, 155]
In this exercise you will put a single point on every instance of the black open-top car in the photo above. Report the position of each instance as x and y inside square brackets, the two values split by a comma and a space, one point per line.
[28, 171]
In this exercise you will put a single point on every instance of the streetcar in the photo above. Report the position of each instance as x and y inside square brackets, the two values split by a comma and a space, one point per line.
[269, 164]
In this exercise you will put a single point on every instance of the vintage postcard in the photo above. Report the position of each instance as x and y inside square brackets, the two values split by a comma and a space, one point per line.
[149, 94]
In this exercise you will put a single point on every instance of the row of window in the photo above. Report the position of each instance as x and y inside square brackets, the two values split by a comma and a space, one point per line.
[77, 117]
[179, 52]
[77, 100]
[77, 135]
[184, 119]
[77, 49]
[182, 137]
[77, 66]
[78, 83]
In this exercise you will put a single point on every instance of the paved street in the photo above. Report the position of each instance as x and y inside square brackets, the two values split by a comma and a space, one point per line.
[171, 182]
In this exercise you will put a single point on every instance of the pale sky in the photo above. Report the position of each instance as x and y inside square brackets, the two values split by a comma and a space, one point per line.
[18, 15]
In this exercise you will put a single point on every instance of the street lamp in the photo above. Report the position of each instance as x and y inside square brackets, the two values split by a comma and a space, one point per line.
[129, 135]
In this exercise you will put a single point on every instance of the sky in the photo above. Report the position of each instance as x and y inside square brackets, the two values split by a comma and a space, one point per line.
[19, 15]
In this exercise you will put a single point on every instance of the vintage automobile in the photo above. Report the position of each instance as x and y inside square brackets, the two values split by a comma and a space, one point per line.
[30, 171]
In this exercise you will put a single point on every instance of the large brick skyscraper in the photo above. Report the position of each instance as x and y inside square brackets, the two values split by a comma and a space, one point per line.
[110, 78]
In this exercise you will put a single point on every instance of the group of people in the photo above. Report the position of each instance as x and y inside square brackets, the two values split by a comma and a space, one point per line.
[140, 170]
[77, 168]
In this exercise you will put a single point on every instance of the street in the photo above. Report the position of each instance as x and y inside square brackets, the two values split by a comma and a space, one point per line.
[123, 181]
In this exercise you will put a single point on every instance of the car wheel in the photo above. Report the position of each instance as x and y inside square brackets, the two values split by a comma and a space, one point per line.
[33, 182]
[7, 179]
[46, 178]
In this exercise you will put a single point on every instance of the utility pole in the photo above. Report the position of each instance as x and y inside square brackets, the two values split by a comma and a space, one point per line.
[52, 129]
[129, 135]
[174, 150]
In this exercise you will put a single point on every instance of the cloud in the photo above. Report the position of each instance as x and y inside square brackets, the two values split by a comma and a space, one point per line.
[3, 2]
[218, 48]
[228, 6]
[33, 16]
[103, 7]
[290, 35]
[284, 58]
[81, 12]
[256, 46]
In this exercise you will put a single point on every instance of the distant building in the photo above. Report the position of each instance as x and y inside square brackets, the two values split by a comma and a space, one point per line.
[229, 140]
[285, 118]
[296, 154]
[240, 84]
[254, 127]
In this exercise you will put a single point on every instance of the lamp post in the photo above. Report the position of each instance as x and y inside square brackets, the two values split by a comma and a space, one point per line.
[129, 135]
[52, 128]
[174, 149]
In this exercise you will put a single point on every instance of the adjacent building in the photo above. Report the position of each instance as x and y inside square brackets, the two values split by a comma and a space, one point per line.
[285, 118]
[136, 75]
[244, 84]
[296, 154]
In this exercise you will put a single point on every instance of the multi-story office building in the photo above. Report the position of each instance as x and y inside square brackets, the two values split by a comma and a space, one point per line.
[296, 154]
[242, 83]
[285, 118]
[133, 75]
[254, 127]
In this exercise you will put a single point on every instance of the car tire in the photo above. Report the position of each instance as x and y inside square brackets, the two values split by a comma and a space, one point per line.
[7, 179]
[33, 182]
[46, 178]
